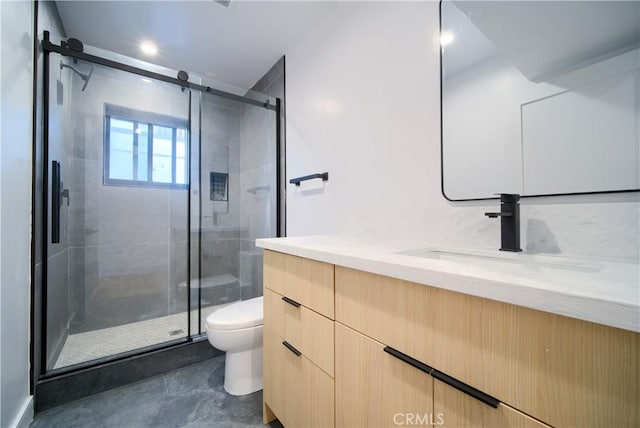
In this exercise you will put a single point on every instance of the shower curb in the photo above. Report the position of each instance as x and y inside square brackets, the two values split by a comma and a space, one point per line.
[68, 387]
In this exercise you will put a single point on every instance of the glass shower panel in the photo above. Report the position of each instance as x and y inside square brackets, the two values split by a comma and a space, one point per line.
[116, 281]
[259, 191]
[237, 183]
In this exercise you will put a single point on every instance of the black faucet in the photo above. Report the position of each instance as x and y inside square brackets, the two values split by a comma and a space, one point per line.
[509, 222]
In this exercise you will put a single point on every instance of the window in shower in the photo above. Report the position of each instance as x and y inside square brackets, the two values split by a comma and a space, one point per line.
[144, 149]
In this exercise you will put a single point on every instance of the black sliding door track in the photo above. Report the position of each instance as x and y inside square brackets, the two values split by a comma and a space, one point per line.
[48, 46]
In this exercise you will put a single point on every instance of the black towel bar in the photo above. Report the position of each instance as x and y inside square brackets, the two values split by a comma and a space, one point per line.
[323, 175]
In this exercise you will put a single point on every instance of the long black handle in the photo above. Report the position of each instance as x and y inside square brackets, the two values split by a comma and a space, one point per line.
[323, 175]
[467, 389]
[291, 348]
[55, 202]
[453, 382]
[291, 301]
[407, 359]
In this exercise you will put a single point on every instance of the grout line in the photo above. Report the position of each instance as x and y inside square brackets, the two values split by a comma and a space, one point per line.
[51, 256]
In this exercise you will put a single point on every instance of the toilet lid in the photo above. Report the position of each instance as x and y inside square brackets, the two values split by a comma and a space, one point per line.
[245, 314]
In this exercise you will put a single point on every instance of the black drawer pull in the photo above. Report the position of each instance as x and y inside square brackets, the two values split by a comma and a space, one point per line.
[467, 389]
[453, 382]
[407, 359]
[291, 348]
[291, 302]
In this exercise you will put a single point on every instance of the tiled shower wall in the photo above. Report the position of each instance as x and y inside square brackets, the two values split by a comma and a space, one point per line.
[240, 140]
[220, 221]
[258, 179]
[128, 246]
[60, 84]
[58, 254]
[121, 250]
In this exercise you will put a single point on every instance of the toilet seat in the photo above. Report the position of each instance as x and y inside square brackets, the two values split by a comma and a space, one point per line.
[239, 315]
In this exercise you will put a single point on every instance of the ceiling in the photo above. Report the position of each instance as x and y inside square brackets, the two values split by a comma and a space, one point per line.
[235, 45]
[547, 38]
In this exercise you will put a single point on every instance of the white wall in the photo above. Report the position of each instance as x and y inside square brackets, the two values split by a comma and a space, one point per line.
[363, 103]
[15, 206]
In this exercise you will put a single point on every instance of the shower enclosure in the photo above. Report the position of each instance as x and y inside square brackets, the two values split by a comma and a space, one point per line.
[150, 193]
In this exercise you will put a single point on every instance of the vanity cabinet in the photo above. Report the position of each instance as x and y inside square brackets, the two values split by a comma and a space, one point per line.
[375, 389]
[458, 410]
[559, 370]
[396, 349]
[308, 282]
[296, 391]
[298, 341]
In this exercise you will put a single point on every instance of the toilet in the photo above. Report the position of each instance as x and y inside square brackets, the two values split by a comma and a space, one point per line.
[237, 330]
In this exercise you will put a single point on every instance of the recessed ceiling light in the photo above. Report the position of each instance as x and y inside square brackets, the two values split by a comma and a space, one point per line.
[145, 80]
[148, 48]
[446, 37]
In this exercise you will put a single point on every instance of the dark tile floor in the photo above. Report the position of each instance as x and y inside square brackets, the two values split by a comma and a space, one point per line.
[191, 396]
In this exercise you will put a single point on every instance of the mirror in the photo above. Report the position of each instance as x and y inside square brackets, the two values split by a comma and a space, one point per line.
[539, 98]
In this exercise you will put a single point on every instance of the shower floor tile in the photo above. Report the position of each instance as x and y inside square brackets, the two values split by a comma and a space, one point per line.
[95, 344]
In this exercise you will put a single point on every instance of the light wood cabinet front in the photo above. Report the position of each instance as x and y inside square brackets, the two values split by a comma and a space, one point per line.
[546, 368]
[295, 389]
[298, 311]
[308, 282]
[308, 331]
[561, 370]
[458, 410]
[375, 389]
[276, 386]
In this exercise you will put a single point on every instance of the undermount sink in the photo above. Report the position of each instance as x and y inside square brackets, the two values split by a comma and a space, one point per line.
[516, 263]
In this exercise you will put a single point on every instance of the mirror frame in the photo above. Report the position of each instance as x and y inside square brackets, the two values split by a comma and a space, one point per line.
[442, 144]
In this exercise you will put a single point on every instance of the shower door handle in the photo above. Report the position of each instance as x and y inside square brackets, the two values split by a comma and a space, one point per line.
[56, 202]
[58, 193]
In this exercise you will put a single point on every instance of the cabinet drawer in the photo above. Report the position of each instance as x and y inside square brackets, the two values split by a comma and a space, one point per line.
[296, 390]
[374, 389]
[308, 282]
[308, 331]
[457, 410]
[563, 371]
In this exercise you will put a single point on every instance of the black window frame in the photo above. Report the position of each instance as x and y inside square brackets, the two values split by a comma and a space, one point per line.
[151, 119]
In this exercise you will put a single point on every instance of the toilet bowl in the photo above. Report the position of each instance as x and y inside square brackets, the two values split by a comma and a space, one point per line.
[237, 330]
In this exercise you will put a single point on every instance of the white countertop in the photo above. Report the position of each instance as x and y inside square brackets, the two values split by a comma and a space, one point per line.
[604, 291]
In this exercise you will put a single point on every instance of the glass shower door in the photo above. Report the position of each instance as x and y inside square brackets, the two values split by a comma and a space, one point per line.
[117, 173]
[238, 199]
